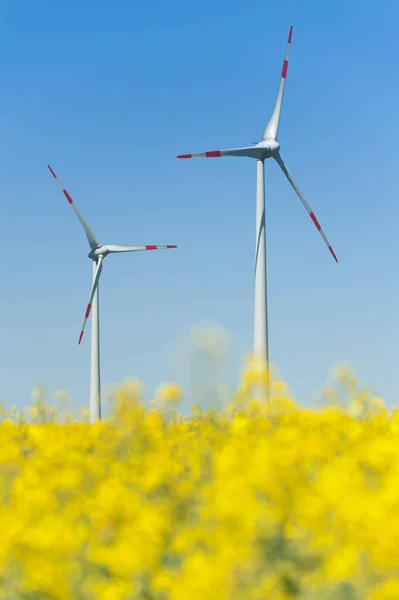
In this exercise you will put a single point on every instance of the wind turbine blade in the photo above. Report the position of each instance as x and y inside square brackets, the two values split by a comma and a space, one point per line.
[93, 291]
[270, 132]
[114, 248]
[288, 175]
[93, 241]
[249, 151]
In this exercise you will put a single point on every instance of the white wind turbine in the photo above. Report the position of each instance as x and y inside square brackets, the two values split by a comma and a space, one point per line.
[267, 148]
[97, 254]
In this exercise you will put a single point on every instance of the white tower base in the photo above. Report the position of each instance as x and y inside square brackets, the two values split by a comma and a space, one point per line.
[95, 397]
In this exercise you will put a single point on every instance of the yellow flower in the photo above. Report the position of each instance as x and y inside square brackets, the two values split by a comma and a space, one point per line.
[169, 393]
[388, 590]
[342, 564]
[247, 502]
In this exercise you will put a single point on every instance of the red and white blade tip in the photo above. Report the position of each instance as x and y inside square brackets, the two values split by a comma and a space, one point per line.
[87, 314]
[285, 64]
[333, 253]
[210, 154]
[52, 172]
[159, 247]
[315, 221]
[64, 191]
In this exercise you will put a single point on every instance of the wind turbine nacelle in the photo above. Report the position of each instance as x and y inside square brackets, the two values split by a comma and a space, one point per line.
[100, 251]
[270, 147]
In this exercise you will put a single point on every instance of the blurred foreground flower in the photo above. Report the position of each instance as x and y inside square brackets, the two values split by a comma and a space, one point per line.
[257, 502]
[169, 394]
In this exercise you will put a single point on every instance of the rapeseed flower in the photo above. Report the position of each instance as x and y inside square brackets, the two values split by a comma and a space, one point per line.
[261, 500]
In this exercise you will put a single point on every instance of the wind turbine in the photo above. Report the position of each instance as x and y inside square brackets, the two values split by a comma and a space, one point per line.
[268, 147]
[97, 254]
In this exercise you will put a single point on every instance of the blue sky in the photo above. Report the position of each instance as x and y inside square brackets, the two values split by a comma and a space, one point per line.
[109, 94]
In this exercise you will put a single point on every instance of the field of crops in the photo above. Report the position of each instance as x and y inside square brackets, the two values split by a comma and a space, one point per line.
[258, 501]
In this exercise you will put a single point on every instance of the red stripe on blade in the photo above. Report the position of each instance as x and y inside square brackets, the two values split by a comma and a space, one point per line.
[315, 221]
[290, 36]
[88, 309]
[80, 337]
[151, 247]
[52, 172]
[285, 68]
[171, 246]
[333, 253]
[185, 156]
[213, 154]
[68, 197]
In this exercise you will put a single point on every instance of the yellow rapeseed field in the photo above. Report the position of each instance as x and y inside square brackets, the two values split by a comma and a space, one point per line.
[263, 500]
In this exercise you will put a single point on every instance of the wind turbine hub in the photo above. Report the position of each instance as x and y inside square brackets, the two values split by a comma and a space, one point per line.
[271, 147]
[99, 251]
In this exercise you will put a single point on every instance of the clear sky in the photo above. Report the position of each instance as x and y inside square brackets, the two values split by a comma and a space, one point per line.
[109, 93]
